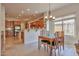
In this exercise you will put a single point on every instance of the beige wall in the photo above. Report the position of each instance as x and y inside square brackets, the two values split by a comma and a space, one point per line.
[22, 25]
[12, 19]
[2, 22]
[66, 10]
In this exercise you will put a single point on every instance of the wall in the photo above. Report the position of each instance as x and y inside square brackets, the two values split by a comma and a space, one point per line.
[12, 19]
[2, 23]
[66, 10]
[22, 25]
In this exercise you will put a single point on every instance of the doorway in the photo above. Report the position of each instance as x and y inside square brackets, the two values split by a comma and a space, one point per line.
[13, 33]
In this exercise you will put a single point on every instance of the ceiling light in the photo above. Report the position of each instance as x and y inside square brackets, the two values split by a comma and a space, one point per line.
[22, 12]
[19, 14]
[51, 16]
[28, 9]
[54, 17]
[36, 11]
[46, 17]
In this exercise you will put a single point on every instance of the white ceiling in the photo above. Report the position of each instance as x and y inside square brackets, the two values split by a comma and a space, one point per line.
[15, 9]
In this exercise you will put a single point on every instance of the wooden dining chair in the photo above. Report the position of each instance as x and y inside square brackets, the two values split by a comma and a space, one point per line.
[42, 41]
[53, 46]
[60, 38]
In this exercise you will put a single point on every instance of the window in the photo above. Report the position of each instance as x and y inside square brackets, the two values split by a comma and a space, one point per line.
[58, 26]
[68, 25]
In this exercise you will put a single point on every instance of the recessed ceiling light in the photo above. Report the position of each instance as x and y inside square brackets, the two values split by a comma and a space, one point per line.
[36, 11]
[22, 12]
[28, 9]
[19, 14]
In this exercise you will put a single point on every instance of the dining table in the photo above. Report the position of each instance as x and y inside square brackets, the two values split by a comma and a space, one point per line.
[44, 38]
[47, 38]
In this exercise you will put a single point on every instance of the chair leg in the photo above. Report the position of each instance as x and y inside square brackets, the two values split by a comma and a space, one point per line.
[63, 46]
[39, 47]
[47, 48]
[50, 51]
[55, 51]
[59, 47]
[58, 51]
[44, 47]
[39, 44]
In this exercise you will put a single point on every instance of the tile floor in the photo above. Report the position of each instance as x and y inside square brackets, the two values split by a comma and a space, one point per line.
[32, 50]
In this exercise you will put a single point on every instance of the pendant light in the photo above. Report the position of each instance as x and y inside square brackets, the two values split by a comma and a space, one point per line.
[49, 15]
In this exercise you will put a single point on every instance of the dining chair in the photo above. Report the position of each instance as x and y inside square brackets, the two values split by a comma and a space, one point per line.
[42, 41]
[60, 38]
[53, 45]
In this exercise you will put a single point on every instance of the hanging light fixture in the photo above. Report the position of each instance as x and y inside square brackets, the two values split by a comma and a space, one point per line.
[49, 15]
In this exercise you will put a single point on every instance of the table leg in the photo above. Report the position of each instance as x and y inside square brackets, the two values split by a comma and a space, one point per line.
[47, 48]
[63, 45]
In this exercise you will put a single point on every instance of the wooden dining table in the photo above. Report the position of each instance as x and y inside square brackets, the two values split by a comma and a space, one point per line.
[40, 38]
[44, 38]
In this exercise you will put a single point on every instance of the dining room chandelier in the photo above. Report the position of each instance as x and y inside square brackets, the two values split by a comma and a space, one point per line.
[49, 14]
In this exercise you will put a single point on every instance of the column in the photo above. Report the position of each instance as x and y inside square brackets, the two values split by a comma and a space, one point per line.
[2, 28]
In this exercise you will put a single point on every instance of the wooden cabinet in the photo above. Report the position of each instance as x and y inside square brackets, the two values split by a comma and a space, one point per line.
[37, 24]
[17, 23]
[9, 24]
[10, 27]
